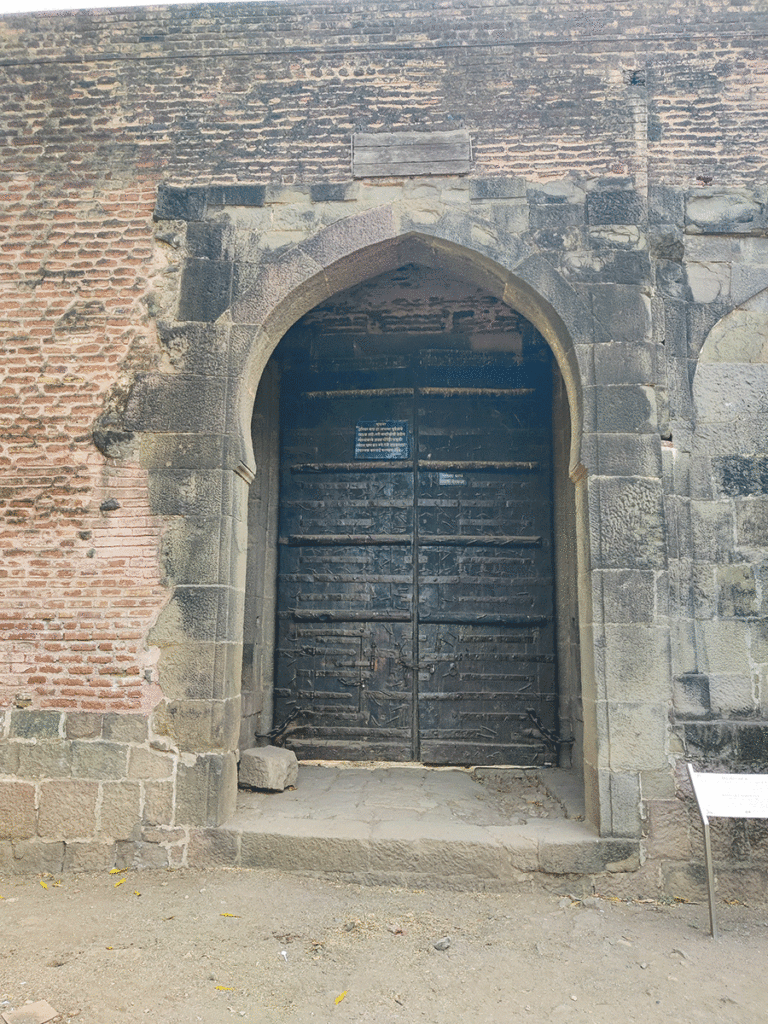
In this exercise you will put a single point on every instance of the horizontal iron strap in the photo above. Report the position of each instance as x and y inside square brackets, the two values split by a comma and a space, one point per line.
[406, 466]
[439, 619]
[476, 392]
[459, 541]
[501, 695]
[377, 466]
[347, 616]
[452, 466]
[362, 393]
[385, 539]
[481, 619]
[335, 540]
[427, 392]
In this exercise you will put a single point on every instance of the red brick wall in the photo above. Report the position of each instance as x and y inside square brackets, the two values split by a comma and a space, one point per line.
[79, 586]
[99, 108]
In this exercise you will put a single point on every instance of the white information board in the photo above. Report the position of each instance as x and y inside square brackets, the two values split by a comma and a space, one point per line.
[731, 796]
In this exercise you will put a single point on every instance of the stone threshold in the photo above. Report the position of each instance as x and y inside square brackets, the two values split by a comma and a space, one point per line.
[417, 827]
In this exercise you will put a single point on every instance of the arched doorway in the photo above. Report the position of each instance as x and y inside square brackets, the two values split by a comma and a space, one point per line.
[425, 575]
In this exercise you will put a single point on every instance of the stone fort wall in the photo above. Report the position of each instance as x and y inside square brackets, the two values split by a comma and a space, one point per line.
[160, 166]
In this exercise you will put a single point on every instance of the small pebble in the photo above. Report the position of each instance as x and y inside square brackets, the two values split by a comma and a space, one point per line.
[443, 943]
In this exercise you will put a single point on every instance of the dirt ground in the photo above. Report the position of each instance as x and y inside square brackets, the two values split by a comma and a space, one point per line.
[186, 946]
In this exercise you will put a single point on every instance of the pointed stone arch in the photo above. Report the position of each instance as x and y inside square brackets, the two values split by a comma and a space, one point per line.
[200, 455]
[370, 243]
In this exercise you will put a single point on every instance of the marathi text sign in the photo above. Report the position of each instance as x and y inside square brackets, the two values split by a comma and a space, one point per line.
[382, 439]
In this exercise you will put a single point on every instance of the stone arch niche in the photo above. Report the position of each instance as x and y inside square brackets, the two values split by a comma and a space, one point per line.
[196, 428]
[722, 699]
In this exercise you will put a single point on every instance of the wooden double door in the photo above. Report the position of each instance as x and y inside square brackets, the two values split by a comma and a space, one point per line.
[415, 594]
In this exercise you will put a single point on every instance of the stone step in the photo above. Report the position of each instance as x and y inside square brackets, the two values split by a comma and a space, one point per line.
[409, 827]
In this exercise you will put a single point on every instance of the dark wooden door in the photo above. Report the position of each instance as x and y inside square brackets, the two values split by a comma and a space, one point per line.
[415, 603]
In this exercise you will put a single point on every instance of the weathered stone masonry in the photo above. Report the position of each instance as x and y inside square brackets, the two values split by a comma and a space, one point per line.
[178, 192]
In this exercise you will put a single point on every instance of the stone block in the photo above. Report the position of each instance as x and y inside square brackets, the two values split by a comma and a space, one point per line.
[638, 734]
[67, 809]
[82, 725]
[752, 522]
[196, 550]
[629, 595]
[555, 218]
[625, 805]
[623, 454]
[29, 725]
[205, 289]
[608, 266]
[636, 662]
[615, 206]
[89, 856]
[286, 287]
[628, 522]
[99, 760]
[198, 349]
[18, 817]
[588, 857]
[180, 203]
[273, 768]
[711, 742]
[713, 528]
[709, 282]
[200, 671]
[668, 830]
[200, 725]
[719, 211]
[206, 789]
[497, 188]
[731, 695]
[736, 591]
[625, 363]
[726, 646]
[147, 764]
[746, 281]
[125, 728]
[158, 803]
[213, 848]
[177, 403]
[47, 759]
[690, 695]
[657, 785]
[189, 451]
[149, 855]
[205, 241]
[332, 192]
[9, 757]
[741, 476]
[236, 195]
[34, 857]
[119, 816]
[617, 236]
[628, 408]
[200, 614]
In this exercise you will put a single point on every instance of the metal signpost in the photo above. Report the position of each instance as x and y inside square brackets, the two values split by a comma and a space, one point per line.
[726, 796]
